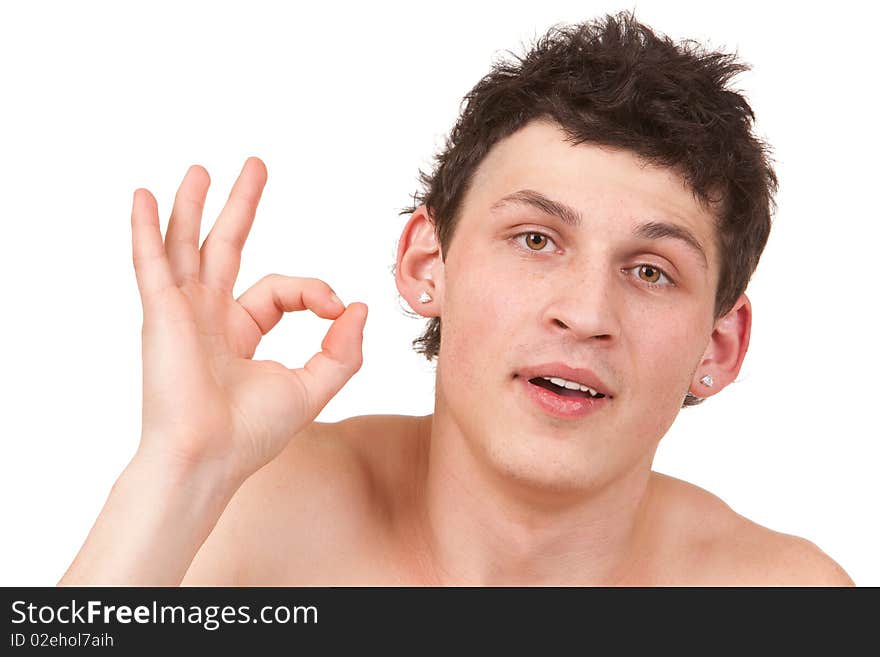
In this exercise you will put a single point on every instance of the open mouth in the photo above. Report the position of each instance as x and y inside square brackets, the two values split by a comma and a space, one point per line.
[563, 391]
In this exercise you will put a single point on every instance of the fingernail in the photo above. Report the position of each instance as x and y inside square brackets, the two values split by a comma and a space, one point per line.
[336, 299]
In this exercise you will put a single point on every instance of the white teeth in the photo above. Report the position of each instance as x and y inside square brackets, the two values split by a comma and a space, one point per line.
[571, 385]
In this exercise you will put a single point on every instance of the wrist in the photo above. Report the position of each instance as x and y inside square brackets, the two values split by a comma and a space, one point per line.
[157, 516]
[170, 471]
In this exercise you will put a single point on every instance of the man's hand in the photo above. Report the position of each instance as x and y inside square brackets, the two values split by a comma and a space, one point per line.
[205, 401]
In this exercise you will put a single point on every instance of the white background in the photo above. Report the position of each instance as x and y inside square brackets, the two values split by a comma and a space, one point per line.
[344, 104]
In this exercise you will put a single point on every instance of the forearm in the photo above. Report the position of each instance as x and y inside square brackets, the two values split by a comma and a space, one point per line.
[151, 527]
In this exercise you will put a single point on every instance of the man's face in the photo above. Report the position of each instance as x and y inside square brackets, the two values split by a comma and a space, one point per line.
[521, 287]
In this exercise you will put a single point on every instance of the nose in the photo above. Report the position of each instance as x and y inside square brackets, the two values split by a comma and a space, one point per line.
[584, 305]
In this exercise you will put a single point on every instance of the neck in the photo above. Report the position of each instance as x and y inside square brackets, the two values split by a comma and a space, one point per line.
[482, 528]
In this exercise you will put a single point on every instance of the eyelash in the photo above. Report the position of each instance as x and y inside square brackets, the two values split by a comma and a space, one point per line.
[669, 282]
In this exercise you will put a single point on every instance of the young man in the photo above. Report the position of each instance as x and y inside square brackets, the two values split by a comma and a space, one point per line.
[586, 240]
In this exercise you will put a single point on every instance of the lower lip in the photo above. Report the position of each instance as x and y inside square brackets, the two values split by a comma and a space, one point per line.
[559, 406]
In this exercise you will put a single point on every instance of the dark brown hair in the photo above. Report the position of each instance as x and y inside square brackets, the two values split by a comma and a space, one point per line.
[614, 82]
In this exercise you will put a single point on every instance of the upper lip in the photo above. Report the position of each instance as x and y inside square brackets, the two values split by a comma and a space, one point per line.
[580, 375]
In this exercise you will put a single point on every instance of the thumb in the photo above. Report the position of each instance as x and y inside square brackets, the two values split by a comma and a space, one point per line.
[340, 357]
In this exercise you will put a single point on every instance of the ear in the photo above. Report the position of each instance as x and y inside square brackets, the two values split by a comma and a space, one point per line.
[726, 350]
[419, 268]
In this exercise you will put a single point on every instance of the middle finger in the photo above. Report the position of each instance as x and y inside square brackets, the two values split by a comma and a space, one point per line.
[221, 250]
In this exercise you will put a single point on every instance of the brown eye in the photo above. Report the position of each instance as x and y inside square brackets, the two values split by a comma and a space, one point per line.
[649, 274]
[536, 241]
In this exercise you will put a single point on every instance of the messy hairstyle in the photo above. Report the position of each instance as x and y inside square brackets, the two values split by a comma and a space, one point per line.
[614, 82]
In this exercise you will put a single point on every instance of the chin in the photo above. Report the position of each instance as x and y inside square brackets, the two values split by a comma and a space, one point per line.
[559, 470]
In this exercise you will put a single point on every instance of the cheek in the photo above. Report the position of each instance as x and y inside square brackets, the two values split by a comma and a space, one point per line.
[479, 307]
[668, 358]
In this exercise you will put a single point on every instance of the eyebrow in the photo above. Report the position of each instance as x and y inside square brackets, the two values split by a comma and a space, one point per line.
[650, 230]
[655, 230]
[537, 200]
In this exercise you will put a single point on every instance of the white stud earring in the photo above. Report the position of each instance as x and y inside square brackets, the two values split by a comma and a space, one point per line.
[707, 381]
[425, 297]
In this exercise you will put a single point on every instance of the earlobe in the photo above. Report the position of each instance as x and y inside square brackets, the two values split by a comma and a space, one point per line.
[726, 350]
[418, 261]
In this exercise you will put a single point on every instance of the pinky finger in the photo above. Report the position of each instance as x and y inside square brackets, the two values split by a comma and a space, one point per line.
[148, 251]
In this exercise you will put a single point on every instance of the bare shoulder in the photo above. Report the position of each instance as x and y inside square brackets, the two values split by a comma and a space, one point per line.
[386, 445]
[723, 548]
[316, 494]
